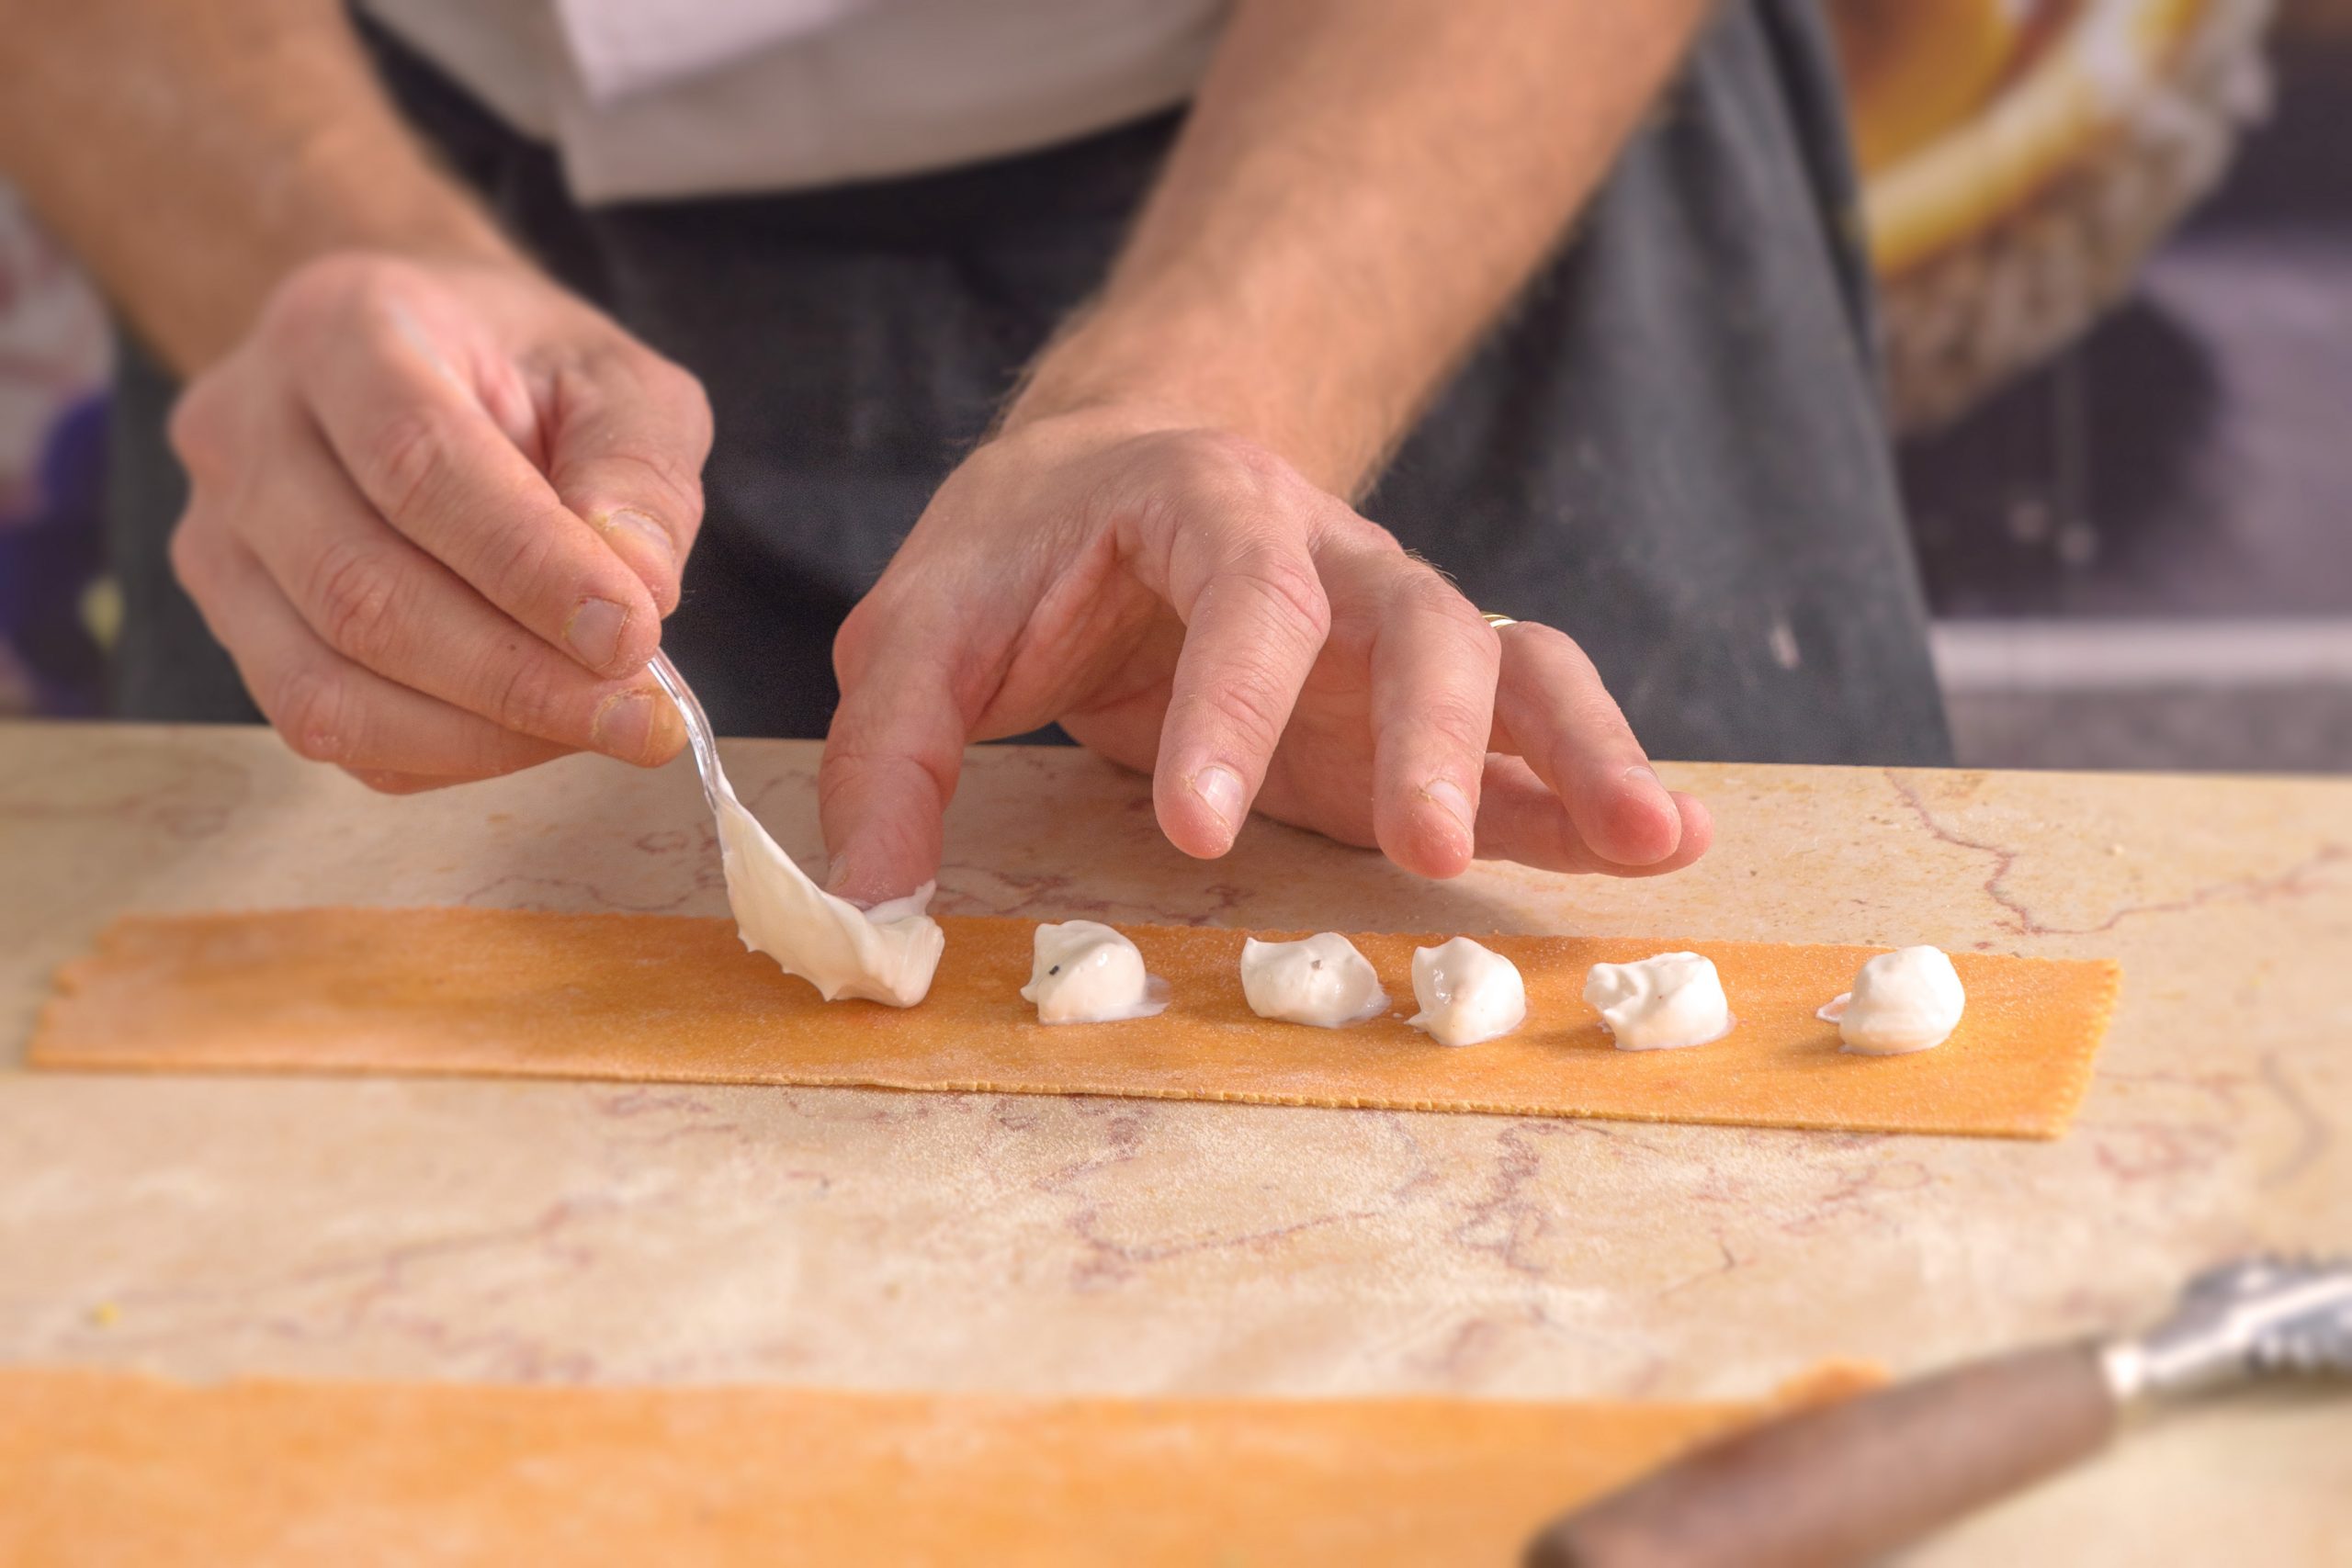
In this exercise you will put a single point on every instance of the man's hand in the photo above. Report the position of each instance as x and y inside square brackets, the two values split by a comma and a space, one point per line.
[1154, 553]
[438, 505]
[1185, 602]
[436, 514]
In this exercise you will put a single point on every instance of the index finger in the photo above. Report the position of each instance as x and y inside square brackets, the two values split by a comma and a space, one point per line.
[1253, 630]
[625, 453]
[433, 462]
[893, 752]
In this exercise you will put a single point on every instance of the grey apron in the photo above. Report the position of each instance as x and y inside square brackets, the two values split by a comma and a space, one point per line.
[1671, 449]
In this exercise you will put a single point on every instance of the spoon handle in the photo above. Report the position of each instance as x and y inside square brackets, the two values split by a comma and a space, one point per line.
[698, 732]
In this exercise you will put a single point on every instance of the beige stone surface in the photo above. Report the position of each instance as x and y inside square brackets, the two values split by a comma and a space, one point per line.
[567, 1232]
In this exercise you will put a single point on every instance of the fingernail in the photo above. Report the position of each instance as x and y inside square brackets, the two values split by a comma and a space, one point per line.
[630, 522]
[1219, 788]
[413, 332]
[595, 631]
[1641, 775]
[1456, 804]
[624, 726]
[841, 882]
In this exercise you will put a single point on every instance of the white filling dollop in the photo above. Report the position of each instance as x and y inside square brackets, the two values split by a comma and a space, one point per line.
[1662, 1003]
[886, 953]
[1322, 980]
[1467, 993]
[1084, 972]
[1905, 1000]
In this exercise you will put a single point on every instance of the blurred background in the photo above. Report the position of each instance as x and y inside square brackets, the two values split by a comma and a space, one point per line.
[2114, 239]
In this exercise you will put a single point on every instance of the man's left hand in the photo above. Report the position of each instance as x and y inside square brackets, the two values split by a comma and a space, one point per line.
[1185, 602]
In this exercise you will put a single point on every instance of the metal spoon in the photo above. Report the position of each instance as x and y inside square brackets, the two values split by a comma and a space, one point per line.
[699, 736]
[886, 953]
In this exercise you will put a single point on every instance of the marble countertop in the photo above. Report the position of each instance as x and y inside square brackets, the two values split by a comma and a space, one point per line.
[553, 1232]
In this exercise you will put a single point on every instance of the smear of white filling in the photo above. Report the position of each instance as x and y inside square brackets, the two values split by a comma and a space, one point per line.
[1321, 980]
[1468, 994]
[1083, 972]
[887, 954]
[1907, 1000]
[1660, 1004]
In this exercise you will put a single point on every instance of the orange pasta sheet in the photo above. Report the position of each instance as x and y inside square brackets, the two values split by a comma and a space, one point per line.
[509, 992]
[128, 1471]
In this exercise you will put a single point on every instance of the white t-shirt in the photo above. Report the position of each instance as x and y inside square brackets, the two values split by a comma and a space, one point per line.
[650, 98]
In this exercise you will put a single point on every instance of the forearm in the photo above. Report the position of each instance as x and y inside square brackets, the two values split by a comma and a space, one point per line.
[194, 154]
[1362, 188]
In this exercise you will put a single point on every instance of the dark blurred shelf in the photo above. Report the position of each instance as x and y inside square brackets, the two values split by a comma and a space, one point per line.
[2303, 730]
[2193, 456]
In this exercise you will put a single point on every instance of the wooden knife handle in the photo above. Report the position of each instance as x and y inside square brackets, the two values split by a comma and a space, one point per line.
[1847, 1482]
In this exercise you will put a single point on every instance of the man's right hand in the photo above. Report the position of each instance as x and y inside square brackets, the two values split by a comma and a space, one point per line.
[436, 513]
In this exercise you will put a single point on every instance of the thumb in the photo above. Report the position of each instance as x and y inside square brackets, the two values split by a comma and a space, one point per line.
[891, 760]
[626, 455]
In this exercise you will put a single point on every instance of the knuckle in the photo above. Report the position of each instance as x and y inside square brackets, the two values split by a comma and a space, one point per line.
[1548, 639]
[682, 391]
[854, 771]
[191, 557]
[1464, 643]
[1454, 717]
[198, 431]
[865, 634]
[1288, 578]
[1545, 665]
[1210, 477]
[328, 289]
[519, 694]
[1219, 457]
[853, 643]
[1252, 710]
[353, 593]
[1591, 735]
[1249, 698]
[1421, 591]
[519, 568]
[657, 453]
[658, 480]
[407, 458]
